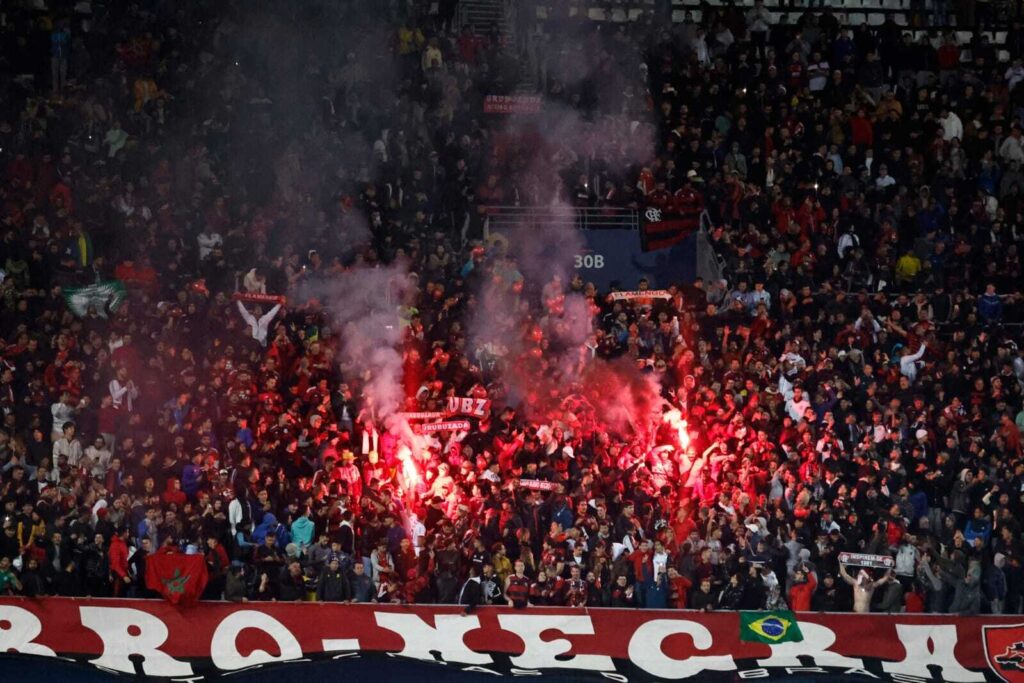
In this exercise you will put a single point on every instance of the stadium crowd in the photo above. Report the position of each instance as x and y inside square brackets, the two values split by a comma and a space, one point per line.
[852, 384]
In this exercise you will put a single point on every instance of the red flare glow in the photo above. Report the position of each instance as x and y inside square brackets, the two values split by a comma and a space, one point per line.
[675, 418]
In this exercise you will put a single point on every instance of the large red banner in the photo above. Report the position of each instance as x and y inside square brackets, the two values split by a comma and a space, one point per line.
[216, 639]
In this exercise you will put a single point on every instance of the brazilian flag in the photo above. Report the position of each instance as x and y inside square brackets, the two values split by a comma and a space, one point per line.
[769, 627]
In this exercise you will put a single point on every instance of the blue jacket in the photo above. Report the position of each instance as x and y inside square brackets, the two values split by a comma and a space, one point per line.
[656, 593]
[978, 528]
[191, 477]
[990, 307]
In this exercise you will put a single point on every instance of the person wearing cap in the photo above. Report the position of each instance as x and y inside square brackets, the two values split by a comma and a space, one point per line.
[333, 585]
[803, 585]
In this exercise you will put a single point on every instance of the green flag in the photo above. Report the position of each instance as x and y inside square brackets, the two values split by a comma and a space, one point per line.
[103, 296]
[769, 627]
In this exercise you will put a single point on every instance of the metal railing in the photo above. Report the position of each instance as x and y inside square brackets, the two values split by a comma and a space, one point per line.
[585, 218]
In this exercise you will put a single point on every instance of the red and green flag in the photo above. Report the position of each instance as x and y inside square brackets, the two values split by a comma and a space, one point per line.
[180, 578]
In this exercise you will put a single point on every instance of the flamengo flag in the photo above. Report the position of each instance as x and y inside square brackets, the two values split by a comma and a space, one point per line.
[103, 296]
[662, 228]
[769, 627]
[178, 577]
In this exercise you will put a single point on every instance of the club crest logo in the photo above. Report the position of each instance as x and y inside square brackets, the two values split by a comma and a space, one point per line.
[1004, 650]
[653, 215]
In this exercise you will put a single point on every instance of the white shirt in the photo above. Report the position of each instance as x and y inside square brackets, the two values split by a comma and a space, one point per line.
[796, 362]
[235, 513]
[207, 241]
[61, 413]
[796, 409]
[259, 328]
[817, 75]
[952, 127]
[909, 364]
[100, 460]
[72, 450]
[760, 297]
[123, 394]
[254, 285]
[1011, 149]
[1014, 75]
[848, 240]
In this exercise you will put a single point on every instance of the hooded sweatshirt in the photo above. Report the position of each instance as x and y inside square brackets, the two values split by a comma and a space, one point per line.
[302, 532]
[172, 494]
[268, 525]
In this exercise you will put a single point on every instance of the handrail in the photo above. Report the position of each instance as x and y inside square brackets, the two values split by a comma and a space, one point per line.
[585, 218]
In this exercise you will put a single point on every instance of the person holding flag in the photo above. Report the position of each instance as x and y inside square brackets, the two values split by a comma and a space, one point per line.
[863, 587]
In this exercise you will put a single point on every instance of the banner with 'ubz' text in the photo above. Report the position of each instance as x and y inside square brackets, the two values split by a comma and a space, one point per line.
[211, 640]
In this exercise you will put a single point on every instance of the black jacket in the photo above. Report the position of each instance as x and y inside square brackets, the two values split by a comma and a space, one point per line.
[471, 594]
[333, 586]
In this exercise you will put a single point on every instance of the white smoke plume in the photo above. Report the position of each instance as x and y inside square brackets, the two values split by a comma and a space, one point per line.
[363, 307]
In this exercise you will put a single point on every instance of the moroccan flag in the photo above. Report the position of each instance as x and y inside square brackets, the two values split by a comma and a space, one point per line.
[178, 577]
[769, 627]
[103, 296]
[661, 228]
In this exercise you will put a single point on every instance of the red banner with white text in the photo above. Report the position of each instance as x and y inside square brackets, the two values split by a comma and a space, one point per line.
[209, 640]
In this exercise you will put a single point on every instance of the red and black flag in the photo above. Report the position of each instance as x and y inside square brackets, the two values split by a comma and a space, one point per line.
[178, 577]
[661, 228]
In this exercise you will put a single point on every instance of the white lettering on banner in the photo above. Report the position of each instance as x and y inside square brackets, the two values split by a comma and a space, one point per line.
[340, 644]
[859, 672]
[445, 637]
[589, 261]
[645, 650]
[905, 678]
[481, 670]
[929, 646]
[754, 673]
[21, 632]
[816, 643]
[125, 632]
[540, 654]
[224, 647]
[614, 677]
[477, 407]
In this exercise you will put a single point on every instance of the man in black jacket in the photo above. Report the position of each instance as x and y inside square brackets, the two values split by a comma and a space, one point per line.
[703, 598]
[291, 583]
[333, 585]
[471, 593]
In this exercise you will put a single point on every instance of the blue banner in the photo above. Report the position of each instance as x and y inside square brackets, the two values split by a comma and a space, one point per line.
[614, 258]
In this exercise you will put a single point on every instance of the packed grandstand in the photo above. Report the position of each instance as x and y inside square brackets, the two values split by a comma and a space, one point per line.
[255, 311]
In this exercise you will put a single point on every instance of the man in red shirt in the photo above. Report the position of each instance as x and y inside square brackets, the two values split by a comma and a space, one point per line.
[216, 566]
[678, 588]
[118, 554]
[804, 585]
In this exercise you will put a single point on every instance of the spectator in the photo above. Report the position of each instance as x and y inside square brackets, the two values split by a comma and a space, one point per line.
[863, 588]
[333, 584]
